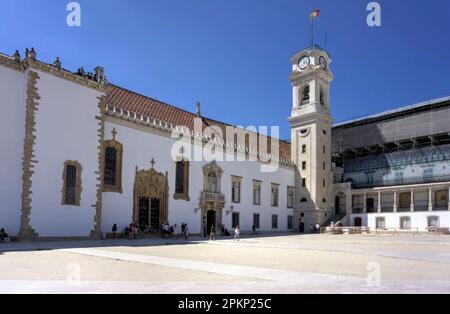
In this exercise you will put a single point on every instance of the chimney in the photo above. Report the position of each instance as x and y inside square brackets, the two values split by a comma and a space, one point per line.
[99, 74]
[198, 113]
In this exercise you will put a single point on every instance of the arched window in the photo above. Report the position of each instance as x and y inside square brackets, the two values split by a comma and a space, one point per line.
[182, 180]
[112, 165]
[304, 200]
[71, 192]
[306, 92]
[212, 182]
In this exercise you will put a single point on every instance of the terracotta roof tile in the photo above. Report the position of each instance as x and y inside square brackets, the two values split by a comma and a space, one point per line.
[148, 107]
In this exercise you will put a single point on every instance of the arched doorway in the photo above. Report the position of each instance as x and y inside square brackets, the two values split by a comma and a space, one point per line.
[337, 205]
[340, 205]
[150, 209]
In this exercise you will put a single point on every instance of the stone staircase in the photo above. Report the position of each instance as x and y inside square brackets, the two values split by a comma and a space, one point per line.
[333, 220]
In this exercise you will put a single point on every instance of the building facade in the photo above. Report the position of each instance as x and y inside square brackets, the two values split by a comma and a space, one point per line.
[80, 154]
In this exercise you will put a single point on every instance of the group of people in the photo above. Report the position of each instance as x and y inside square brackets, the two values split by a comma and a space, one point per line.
[168, 230]
[237, 233]
[3, 235]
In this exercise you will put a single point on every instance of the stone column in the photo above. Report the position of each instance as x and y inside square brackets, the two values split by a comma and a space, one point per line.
[430, 200]
[379, 202]
[365, 204]
[412, 201]
[395, 202]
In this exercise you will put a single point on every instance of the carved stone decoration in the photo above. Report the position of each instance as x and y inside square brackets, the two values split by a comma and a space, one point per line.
[212, 200]
[151, 184]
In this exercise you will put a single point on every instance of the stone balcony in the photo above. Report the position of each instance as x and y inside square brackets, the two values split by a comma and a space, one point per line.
[209, 197]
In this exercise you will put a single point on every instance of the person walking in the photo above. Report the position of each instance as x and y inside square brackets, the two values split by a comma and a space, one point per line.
[114, 231]
[186, 231]
[237, 234]
[212, 236]
[131, 231]
[175, 231]
[183, 230]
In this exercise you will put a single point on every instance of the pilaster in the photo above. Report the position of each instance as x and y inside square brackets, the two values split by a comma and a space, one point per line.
[28, 163]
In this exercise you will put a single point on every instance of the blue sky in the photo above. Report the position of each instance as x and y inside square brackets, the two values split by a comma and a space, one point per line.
[233, 55]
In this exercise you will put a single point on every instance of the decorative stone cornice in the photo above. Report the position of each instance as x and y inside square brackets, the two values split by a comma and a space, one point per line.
[26, 231]
[30, 62]
[9, 62]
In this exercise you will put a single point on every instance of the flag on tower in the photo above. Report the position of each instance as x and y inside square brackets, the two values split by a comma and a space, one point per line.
[315, 14]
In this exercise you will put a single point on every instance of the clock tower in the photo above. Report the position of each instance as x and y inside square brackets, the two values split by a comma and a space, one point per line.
[311, 124]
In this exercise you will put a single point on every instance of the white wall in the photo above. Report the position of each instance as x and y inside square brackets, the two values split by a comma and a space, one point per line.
[12, 132]
[66, 129]
[140, 147]
[418, 219]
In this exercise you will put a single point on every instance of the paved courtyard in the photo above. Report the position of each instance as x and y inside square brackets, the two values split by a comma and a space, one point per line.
[282, 264]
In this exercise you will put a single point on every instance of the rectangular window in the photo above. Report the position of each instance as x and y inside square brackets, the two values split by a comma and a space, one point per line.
[71, 192]
[71, 183]
[428, 175]
[405, 223]
[235, 220]
[324, 167]
[399, 177]
[256, 193]
[290, 224]
[274, 222]
[256, 221]
[324, 183]
[112, 166]
[304, 165]
[236, 192]
[275, 190]
[290, 197]
[324, 149]
[304, 183]
[303, 149]
[433, 222]
[381, 223]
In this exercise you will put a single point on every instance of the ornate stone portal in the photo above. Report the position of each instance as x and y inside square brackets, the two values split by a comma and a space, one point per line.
[152, 187]
[212, 200]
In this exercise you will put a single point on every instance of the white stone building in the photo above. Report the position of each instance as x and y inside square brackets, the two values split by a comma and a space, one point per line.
[80, 154]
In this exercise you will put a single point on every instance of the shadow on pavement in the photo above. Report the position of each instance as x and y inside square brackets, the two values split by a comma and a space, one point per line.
[58, 245]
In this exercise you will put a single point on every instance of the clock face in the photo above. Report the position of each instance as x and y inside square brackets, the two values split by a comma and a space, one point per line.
[303, 63]
[323, 62]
